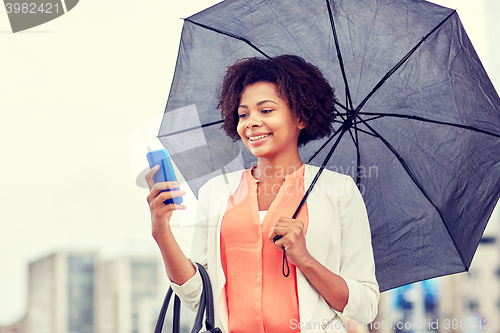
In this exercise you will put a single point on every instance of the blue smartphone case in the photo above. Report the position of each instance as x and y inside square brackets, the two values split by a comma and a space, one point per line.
[166, 172]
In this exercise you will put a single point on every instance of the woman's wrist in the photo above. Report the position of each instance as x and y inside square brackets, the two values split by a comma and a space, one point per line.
[160, 232]
[306, 263]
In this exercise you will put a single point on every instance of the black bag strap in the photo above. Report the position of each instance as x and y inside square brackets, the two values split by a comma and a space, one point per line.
[163, 311]
[177, 315]
[205, 309]
[208, 297]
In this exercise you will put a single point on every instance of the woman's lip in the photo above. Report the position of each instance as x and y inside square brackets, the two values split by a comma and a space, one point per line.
[258, 141]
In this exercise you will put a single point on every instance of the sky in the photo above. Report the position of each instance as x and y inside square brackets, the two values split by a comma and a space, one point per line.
[71, 93]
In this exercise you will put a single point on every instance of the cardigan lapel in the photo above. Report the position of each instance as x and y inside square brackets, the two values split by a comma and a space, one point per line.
[317, 207]
[317, 229]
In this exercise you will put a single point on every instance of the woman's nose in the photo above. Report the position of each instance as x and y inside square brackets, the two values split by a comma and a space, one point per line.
[253, 121]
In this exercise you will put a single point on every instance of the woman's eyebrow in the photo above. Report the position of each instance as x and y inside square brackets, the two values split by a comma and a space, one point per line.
[260, 103]
[266, 101]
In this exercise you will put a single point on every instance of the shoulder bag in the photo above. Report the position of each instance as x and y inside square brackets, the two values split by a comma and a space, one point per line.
[205, 309]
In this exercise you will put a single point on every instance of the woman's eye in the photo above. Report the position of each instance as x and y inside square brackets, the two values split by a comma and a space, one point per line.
[266, 111]
[242, 115]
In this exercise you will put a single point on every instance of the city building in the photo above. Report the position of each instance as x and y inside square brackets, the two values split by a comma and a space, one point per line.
[131, 292]
[75, 292]
[471, 301]
[62, 293]
[17, 327]
[464, 302]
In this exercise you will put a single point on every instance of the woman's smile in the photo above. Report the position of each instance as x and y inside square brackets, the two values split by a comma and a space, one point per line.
[257, 139]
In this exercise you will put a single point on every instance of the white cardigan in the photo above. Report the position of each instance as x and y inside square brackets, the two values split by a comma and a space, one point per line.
[338, 236]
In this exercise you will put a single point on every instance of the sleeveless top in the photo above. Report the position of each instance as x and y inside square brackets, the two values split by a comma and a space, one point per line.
[259, 298]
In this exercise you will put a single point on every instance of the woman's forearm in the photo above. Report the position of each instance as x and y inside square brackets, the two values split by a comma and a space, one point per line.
[179, 268]
[331, 286]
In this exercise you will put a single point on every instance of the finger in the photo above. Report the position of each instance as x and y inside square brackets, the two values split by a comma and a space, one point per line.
[170, 207]
[157, 189]
[164, 196]
[293, 226]
[157, 204]
[286, 221]
[149, 176]
[162, 186]
[292, 233]
[280, 244]
[277, 233]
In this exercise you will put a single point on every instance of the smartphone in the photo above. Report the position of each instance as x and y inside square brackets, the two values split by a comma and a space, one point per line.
[166, 172]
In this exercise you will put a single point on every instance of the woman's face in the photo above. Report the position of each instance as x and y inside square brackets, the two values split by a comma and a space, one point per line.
[266, 124]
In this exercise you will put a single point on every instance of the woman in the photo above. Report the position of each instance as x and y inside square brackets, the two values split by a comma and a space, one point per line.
[274, 106]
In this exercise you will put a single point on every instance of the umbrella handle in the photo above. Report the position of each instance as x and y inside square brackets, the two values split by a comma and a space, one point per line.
[285, 259]
[342, 130]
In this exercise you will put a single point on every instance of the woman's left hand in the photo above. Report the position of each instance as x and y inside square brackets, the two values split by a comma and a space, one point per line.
[293, 240]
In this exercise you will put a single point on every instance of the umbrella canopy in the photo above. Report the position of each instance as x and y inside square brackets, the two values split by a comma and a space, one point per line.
[418, 124]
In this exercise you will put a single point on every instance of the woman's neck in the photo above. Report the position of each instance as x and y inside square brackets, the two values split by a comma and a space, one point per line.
[275, 170]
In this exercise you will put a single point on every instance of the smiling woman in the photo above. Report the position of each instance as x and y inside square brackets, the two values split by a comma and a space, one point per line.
[273, 106]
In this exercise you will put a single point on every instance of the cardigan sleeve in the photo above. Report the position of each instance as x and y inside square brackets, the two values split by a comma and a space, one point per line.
[190, 291]
[357, 266]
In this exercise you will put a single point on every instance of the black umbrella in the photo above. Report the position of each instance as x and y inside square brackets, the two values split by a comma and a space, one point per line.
[418, 125]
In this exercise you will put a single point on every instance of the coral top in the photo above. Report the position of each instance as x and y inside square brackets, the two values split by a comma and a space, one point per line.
[259, 297]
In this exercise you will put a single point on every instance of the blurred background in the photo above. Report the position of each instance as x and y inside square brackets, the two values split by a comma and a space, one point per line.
[76, 253]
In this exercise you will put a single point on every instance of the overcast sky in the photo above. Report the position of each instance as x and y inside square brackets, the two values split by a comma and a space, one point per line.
[72, 91]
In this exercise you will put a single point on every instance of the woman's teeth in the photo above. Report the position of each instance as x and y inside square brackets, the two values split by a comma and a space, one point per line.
[253, 138]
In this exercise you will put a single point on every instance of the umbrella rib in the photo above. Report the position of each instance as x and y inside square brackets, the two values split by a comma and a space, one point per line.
[191, 129]
[358, 156]
[338, 121]
[341, 115]
[354, 136]
[342, 131]
[341, 105]
[471, 128]
[324, 145]
[366, 132]
[373, 118]
[339, 55]
[229, 35]
[401, 62]
[412, 176]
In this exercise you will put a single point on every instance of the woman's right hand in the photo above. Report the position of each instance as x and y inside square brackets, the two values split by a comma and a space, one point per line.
[160, 212]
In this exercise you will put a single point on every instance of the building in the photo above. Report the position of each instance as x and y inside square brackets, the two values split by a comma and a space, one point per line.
[18, 327]
[464, 302]
[62, 293]
[75, 292]
[131, 292]
[473, 299]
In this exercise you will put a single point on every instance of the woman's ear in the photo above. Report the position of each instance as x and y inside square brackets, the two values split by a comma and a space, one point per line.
[301, 124]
